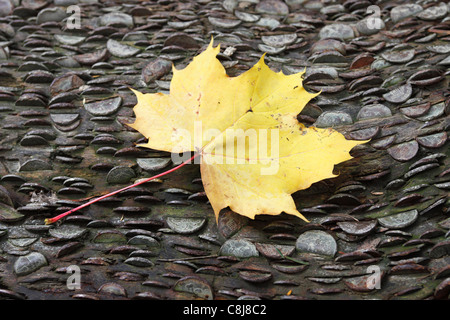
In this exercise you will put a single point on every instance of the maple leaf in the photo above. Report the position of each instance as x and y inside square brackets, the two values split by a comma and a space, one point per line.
[255, 153]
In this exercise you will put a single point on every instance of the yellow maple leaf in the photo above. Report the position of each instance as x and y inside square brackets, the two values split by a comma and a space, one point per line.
[254, 152]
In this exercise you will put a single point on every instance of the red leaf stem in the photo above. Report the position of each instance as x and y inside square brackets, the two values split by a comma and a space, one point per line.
[62, 215]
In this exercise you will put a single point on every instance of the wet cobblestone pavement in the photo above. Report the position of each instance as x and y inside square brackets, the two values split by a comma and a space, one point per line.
[64, 105]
